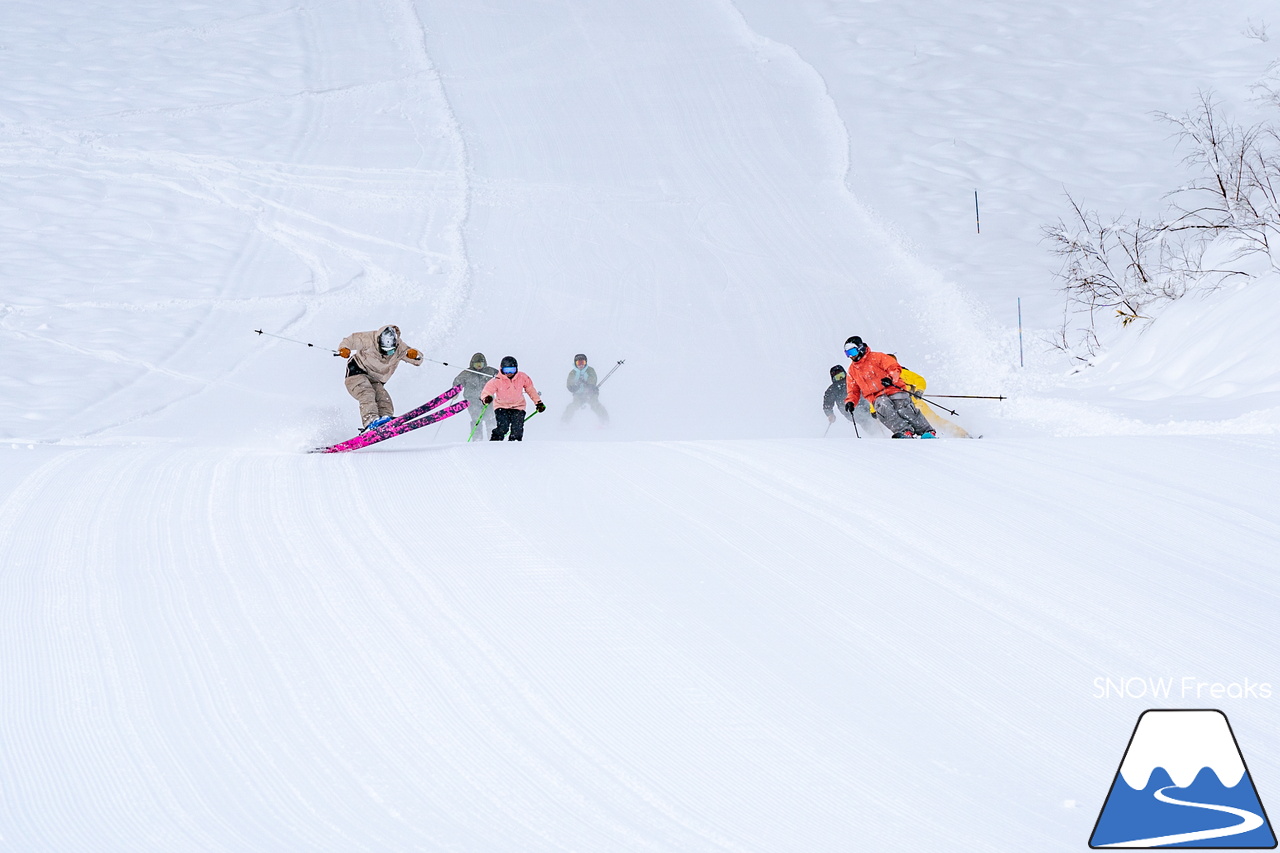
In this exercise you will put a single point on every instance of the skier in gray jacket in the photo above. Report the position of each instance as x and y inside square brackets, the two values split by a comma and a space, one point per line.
[472, 381]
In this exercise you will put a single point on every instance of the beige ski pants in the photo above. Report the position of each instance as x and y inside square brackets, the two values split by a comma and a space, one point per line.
[374, 400]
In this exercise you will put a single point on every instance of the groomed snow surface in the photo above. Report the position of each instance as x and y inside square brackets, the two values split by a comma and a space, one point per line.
[706, 627]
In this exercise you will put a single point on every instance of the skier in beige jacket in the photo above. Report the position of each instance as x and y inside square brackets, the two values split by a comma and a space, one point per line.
[371, 359]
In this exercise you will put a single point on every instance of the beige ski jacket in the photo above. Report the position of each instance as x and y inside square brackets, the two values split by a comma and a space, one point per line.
[364, 352]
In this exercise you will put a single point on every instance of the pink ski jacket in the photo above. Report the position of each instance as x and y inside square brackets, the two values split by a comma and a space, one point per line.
[508, 391]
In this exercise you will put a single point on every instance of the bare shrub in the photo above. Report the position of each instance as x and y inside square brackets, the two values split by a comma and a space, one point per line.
[1125, 269]
[1237, 190]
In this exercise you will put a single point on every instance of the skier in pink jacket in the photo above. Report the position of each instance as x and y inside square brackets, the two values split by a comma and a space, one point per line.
[505, 392]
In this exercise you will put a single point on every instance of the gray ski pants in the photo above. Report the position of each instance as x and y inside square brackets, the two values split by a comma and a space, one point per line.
[474, 405]
[898, 412]
[581, 400]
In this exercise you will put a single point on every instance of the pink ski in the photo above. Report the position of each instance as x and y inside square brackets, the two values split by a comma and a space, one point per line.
[407, 422]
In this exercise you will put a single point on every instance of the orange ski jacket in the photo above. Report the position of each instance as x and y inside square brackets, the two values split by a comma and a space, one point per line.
[865, 374]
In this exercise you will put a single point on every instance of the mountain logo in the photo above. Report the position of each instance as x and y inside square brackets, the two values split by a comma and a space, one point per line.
[1183, 783]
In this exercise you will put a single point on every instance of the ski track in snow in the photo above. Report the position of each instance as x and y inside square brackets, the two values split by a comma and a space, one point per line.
[263, 651]
[224, 243]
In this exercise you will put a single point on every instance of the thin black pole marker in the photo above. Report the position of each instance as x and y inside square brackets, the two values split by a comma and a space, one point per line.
[1020, 361]
[291, 340]
[977, 220]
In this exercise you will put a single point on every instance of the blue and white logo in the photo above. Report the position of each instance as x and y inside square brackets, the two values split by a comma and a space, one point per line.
[1183, 783]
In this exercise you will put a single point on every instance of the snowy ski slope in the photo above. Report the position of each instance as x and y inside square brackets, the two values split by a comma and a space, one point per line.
[705, 628]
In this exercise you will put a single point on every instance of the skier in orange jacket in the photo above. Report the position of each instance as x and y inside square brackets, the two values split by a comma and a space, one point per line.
[877, 377]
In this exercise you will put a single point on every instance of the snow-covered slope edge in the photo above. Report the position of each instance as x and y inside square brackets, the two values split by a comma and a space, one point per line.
[1206, 365]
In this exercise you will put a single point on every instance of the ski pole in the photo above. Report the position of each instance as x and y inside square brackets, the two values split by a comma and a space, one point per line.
[951, 412]
[828, 429]
[969, 397]
[920, 396]
[292, 341]
[855, 428]
[479, 419]
[467, 369]
[621, 361]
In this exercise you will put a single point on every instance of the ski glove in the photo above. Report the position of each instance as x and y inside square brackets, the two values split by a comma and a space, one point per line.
[886, 382]
[344, 352]
[413, 353]
[541, 407]
[488, 400]
[849, 407]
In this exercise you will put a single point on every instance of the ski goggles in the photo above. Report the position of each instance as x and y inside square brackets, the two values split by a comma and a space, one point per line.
[579, 361]
[852, 351]
[510, 371]
[838, 377]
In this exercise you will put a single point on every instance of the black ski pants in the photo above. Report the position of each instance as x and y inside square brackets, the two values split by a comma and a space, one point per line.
[508, 419]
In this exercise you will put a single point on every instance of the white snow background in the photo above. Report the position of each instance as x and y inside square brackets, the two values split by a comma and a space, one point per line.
[707, 627]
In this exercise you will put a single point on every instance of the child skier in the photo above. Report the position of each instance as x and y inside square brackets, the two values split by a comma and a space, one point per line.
[585, 390]
[371, 359]
[505, 392]
[877, 377]
[473, 380]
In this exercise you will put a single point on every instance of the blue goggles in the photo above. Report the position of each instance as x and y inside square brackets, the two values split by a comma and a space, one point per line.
[510, 371]
[851, 351]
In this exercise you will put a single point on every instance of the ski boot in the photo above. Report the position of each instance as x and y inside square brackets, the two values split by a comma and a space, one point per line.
[377, 422]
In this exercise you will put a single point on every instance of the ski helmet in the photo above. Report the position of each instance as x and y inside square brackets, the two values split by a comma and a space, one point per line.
[509, 365]
[388, 340]
[837, 372]
[855, 347]
[579, 357]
